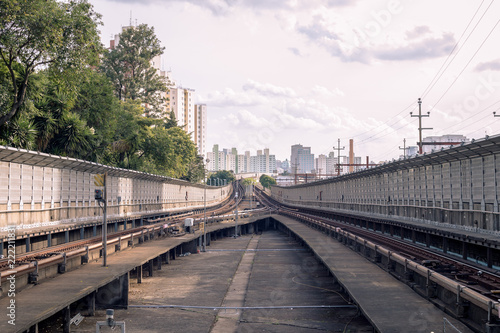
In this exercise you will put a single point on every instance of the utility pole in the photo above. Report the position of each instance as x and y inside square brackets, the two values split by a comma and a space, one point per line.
[404, 147]
[100, 180]
[104, 223]
[204, 240]
[338, 157]
[236, 215]
[420, 128]
[295, 166]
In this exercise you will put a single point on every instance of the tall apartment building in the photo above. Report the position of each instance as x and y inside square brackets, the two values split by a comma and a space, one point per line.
[302, 161]
[325, 165]
[247, 167]
[200, 133]
[229, 159]
[182, 103]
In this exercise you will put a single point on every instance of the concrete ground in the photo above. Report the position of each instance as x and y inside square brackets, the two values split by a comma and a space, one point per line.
[273, 271]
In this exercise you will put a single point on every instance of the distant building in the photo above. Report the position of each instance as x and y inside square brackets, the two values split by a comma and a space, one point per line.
[442, 141]
[331, 163]
[229, 159]
[435, 143]
[200, 125]
[301, 159]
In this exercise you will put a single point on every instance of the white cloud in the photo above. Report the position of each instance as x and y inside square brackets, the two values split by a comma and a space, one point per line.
[231, 98]
[320, 90]
[493, 65]
[267, 89]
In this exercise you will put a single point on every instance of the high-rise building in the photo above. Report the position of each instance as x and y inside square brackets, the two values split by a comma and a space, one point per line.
[330, 164]
[247, 162]
[212, 161]
[320, 164]
[234, 152]
[200, 134]
[229, 159]
[215, 151]
[182, 103]
[301, 159]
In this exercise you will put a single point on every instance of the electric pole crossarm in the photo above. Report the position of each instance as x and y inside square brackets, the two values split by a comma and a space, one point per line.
[420, 128]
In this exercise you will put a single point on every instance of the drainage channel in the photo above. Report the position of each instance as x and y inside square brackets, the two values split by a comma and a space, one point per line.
[235, 296]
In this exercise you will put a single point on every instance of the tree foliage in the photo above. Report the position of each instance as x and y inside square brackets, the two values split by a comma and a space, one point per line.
[267, 181]
[44, 33]
[53, 97]
[248, 181]
[129, 67]
[222, 175]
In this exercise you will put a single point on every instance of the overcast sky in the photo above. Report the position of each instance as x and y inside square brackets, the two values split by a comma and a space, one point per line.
[274, 73]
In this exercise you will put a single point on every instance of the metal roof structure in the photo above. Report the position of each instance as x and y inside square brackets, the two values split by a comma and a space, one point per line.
[474, 149]
[35, 158]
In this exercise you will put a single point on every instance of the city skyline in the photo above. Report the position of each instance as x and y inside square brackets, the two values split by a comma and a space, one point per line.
[271, 73]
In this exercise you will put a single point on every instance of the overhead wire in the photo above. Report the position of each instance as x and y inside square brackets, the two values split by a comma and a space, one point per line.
[434, 80]
[472, 116]
[437, 76]
[470, 125]
[466, 65]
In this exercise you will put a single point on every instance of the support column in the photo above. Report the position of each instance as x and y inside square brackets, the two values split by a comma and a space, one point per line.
[445, 245]
[91, 304]
[33, 329]
[167, 258]
[489, 257]
[150, 268]
[139, 273]
[28, 243]
[82, 233]
[465, 251]
[66, 318]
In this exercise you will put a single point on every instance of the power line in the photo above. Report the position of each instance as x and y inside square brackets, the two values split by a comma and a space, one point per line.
[383, 129]
[433, 83]
[463, 69]
[474, 115]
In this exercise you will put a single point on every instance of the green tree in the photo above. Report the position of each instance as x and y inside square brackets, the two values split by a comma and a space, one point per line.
[44, 33]
[195, 171]
[171, 121]
[129, 67]
[98, 106]
[222, 175]
[267, 181]
[131, 132]
[248, 181]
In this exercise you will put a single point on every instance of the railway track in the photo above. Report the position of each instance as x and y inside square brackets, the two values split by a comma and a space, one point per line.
[57, 250]
[476, 277]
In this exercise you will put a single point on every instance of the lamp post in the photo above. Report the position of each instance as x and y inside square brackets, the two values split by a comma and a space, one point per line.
[236, 216]
[205, 211]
